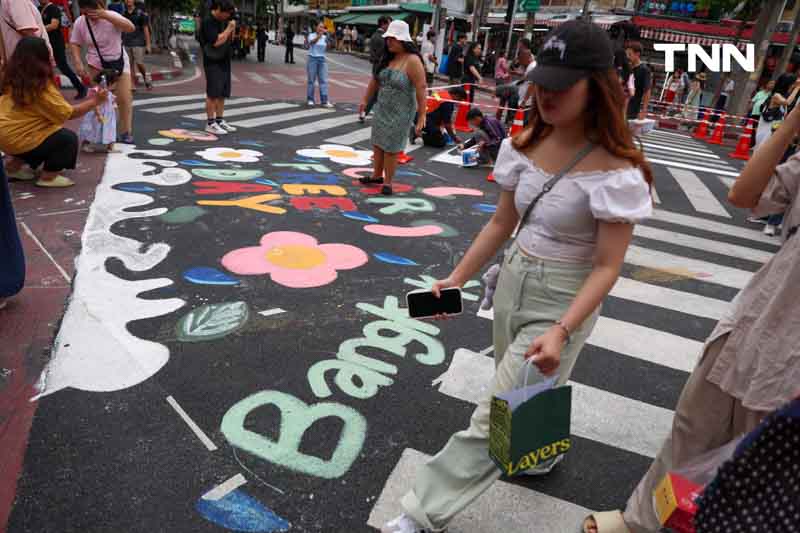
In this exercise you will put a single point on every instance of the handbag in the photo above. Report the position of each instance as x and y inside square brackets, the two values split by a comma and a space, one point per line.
[117, 65]
[491, 279]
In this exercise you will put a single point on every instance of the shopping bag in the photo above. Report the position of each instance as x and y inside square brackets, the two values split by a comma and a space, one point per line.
[529, 425]
[443, 65]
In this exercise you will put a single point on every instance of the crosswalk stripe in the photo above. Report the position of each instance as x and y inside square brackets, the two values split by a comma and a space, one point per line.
[284, 117]
[354, 137]
[728, 182]
[666, 133]
[167, 99]
[683, 151]
[247, 110]
[320, 125]
[696, 168]
[676, 141]
[693, 268]
[688, 159]
[504, 506]
[700, 243]
[286, 80]
[654, 194]
[199, 105]
[666, 298]
[358, 83]
[342, 83]
[700, 196]
[595, 413]
[258, 78]
[710, 225]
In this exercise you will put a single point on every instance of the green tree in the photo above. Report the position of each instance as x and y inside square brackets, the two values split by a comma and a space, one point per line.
[161, 13]
[272, 10]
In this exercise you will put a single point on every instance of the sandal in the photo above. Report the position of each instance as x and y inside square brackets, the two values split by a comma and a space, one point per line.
[369, 181]
[57, 182]
[386, 190]
[605, 522]
[23, 174]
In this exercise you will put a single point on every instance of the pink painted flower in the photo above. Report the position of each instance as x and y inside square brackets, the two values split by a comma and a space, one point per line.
[294, 259]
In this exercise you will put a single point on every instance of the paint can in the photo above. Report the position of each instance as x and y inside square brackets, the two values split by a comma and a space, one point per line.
[469, 157]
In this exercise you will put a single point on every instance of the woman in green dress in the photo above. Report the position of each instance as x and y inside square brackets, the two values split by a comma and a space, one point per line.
[400, 84]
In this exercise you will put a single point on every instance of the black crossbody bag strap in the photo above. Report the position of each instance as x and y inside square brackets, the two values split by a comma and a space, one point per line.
[94, 41]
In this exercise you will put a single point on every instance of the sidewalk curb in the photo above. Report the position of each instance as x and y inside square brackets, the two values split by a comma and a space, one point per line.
[157, 75]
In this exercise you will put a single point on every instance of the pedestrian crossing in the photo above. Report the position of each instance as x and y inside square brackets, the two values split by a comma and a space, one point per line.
[652, 333]
[277, 79]
[694, 174]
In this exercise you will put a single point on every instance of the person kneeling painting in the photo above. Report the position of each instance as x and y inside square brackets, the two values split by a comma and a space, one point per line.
[32, 117]
[439, 118]
[489, 134]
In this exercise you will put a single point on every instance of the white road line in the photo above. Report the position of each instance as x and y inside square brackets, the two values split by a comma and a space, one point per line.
[411, 147]
[728, 182]
[672, 299]
[284, 117]
[675, 141]
[270, 312]
[341, 83]
[320, 125]
[700, 196]
[718, 166]
[257, 78]
[358, 83]
[654, 194]
[167, 99]
[192, 425]
[234, 78]
[672, 134]
[199, 105]
[284, 79]
[52, 259]
[354, 137]
[596, 414]
[701, 270]
[247, 110]
[223, 489]
[504, 507]
[706, 245]
[710, 225]
[696, 168]
[672, 148]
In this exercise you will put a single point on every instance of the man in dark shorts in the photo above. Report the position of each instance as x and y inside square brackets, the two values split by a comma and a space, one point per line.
[137, 42]
[643, 81]
[51, 16]
[216, 33]
[439, 111]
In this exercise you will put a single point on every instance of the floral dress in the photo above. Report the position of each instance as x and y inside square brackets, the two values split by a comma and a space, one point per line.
[102, 129]
[395, 110]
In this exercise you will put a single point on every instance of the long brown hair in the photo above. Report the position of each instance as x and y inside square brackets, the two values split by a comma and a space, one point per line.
[28, 71]
[605, 122]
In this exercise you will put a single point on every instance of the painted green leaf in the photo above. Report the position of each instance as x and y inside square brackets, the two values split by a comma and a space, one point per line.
[212, 321]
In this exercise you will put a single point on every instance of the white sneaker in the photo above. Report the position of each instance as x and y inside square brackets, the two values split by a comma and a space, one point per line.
[328, 105]
[403, 524]
[227, 127]
[545, 468]
[311, 103]
[770, 230]
[216, 129]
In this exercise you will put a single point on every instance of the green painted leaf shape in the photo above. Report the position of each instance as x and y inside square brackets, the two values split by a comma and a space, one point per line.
[212, 321]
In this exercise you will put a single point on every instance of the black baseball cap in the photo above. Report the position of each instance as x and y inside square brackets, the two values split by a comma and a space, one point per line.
[571, 52]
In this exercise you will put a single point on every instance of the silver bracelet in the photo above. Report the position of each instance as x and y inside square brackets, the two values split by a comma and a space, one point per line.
[566, 330]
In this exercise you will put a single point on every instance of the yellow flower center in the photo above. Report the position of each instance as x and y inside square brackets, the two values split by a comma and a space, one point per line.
[296, 257]
[230, 155]
[340, 153]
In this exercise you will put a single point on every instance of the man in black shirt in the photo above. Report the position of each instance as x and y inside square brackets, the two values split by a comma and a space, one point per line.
[289, 57]
[377, 48]
[51, 16]
[439, 118]
[455, 59]
[637, 105]
[137, 42]
[216, 33]
[261, 43]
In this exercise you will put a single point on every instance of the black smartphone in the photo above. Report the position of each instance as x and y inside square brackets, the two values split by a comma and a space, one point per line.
[423, 304]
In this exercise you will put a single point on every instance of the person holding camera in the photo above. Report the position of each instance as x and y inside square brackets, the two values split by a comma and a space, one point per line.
[100, 31]
[317, 65]
[217, 32]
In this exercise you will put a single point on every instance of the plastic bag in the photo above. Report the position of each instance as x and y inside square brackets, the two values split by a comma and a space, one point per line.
[703, 468]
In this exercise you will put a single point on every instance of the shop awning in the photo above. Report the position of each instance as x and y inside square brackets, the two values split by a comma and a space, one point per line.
[666, 36]
[371, 19]
[414, 7]
[345, 19]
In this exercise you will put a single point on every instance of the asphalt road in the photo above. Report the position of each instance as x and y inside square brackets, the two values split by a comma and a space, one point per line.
[232, 356]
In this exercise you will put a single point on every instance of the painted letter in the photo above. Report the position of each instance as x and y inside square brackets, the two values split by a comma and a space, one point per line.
[296, 418]
[405, 335]
[317, 179]
[307, 203]
[296, 189]
[403, 205]
[228, 187]
[391, 311]
[251, 202]
[669, 50]
[371, 381]
[305, 167]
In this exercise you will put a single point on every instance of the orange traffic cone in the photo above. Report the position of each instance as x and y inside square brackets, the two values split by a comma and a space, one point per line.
[742, 148]
[461, 118]
[519, 122]
[403, 158]
[702, 130]
[719, 131]
[490, 177]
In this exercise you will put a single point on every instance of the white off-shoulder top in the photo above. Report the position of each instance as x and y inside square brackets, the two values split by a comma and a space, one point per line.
[563, 225]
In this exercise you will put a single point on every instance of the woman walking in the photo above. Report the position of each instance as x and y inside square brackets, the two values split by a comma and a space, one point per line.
[32, 117]
[472, 69]
[100, 30]
[566, 258]
[317, 66]
[773, 110]
[400, 84]
[749, 365]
